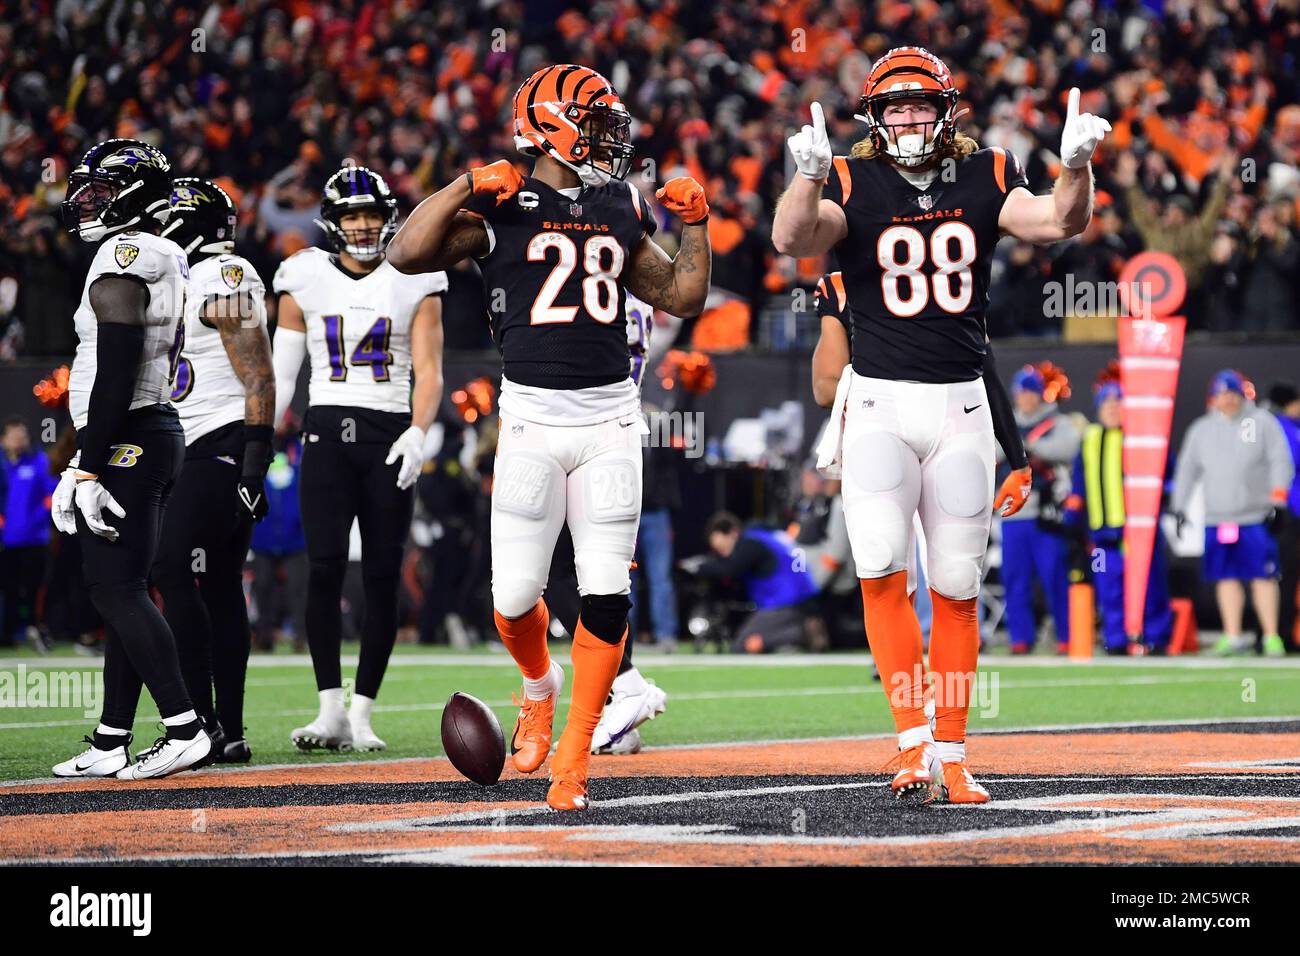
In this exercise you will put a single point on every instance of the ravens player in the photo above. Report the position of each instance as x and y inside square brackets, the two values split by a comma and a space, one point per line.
[130, 447]
[913, 215]
[375, 341]
[224, 393]
[559, 250]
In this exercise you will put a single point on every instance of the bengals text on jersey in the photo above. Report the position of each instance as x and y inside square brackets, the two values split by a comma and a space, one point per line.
[916, 262]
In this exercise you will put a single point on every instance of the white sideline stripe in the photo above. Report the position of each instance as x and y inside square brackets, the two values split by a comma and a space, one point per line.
[715, 745]
[689, 660]
[757, 693]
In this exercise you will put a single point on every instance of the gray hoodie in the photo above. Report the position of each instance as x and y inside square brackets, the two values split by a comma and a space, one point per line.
[1055, 448]
[1239, 460]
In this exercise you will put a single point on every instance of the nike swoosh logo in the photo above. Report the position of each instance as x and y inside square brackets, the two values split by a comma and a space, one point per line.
[970, 408]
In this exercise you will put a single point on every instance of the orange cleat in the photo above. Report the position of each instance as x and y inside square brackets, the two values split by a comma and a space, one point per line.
[531, 741]
[913, 778]
[568, 783]
[960, 785]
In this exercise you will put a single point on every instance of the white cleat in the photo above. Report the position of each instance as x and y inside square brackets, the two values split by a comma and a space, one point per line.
[364, 739]
[326, 732]
[168, 756]
[95, 762]
[629, 743]
[633, 700]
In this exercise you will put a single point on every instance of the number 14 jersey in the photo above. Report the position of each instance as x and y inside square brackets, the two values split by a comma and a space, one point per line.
[916, 263]
[358, 328]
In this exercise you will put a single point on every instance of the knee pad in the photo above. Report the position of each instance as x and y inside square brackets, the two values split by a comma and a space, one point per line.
[956, 558]
[515, 597]
[112, 598]
[605, 615]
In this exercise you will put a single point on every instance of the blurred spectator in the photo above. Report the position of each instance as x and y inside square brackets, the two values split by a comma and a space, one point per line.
[280, 557]
[1097, 502]
[1033, 543]
[774, 578]
[1284, 402]
[661, 496]
[27, 486]
[1239, 456]
[1274, 262]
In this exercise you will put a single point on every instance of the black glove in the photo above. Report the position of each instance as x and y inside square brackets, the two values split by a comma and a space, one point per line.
[1277, 520]
[252, 498]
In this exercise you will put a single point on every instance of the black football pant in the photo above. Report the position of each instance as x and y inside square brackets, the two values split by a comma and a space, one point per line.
[138, 644]
[199, 574]
[563, 599]
[341, 481]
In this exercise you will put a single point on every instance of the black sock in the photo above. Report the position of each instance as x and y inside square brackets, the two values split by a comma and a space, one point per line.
[185, 731]
[111, 741]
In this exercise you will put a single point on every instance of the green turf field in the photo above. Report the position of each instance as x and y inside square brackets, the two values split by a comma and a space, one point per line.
[711, 699]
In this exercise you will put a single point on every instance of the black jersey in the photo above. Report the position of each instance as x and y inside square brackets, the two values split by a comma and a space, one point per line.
[553, 280]
[916, 263]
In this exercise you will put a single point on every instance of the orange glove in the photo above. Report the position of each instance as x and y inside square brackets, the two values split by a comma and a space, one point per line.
[1014, 492]
[684, 197]
[499, 179]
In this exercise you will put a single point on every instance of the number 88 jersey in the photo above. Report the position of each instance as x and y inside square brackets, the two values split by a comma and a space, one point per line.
[358, 328]
[916, 262]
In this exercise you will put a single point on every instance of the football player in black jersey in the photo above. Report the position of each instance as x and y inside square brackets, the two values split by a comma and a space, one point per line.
[914, 215]
[558, 249]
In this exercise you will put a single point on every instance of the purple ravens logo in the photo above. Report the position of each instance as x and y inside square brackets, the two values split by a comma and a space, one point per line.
[132, 156]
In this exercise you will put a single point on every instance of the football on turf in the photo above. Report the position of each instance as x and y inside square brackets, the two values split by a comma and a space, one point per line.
[472, 738]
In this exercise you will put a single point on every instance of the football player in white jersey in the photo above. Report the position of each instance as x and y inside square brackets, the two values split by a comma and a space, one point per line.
[374, 337]
[130, 447]
[224, 392]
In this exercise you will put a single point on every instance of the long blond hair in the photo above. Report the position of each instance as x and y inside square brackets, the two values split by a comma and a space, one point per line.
[960, 147]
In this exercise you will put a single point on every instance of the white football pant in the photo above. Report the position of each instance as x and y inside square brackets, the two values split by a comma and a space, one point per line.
[919, 448]
[545, 475]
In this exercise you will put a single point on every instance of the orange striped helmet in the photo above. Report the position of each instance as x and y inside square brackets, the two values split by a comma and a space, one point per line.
[909, 73]
[572, 114]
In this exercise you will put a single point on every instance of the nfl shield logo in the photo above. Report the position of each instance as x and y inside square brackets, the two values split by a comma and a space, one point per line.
[125, 254]
[575, 209]
[232, 275]
[926, 202]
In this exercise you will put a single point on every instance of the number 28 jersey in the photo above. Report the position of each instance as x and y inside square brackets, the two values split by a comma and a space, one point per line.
[916, 263]
[553, 277]
[358, 328]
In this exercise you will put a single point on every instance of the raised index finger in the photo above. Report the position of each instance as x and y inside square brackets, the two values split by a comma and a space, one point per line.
[818, 118]
[1072, 105]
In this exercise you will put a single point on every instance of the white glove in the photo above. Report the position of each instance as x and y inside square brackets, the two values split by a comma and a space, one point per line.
[812, 148]
[1081, 134]
[92, 498]
[63, 509]
[410, 448]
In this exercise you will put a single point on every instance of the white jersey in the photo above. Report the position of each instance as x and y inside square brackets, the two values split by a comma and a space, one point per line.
[162, 266]
[358, 329]
[207, 393]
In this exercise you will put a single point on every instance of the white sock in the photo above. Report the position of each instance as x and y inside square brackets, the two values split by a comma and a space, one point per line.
[361, 707]
[915, 735]
[951, 751]
[540, 689]
[331, 702]
[179, 720]
[108, 731]
[630, 682]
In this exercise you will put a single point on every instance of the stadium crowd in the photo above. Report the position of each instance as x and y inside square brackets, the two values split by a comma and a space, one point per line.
[268, 97]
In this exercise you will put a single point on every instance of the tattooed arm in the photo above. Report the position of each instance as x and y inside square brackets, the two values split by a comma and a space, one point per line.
[680, 285]
[249, 350]
[438, 234]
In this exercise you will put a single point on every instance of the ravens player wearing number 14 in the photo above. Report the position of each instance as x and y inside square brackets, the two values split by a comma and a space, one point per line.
[559, 250]
[914, 215]
[130, 446]
[375, 341]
